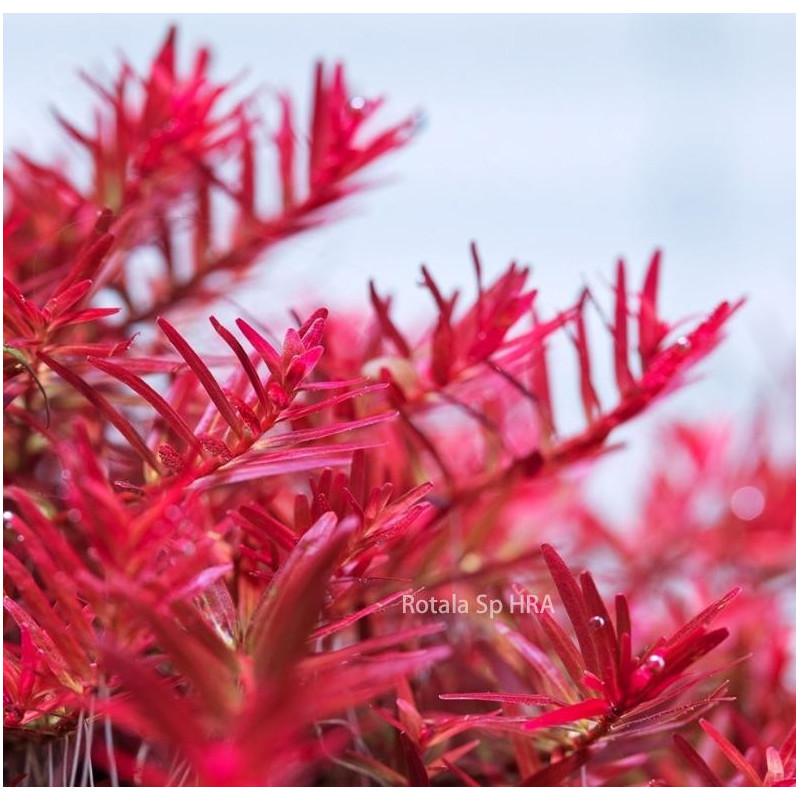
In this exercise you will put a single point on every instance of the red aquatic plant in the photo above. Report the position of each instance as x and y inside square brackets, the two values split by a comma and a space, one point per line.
[315, 558]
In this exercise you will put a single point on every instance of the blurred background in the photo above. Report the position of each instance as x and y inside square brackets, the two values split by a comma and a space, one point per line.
[561, 141]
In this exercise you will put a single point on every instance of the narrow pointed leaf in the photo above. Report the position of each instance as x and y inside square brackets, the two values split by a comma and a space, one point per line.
[574, 604]
[144, 390]
[732, 754]
[203, 373]
[293, 600]
[244, 360]
[106, 409]
[587, 709]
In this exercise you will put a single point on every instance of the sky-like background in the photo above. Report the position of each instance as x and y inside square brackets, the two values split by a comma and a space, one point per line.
[564, 141]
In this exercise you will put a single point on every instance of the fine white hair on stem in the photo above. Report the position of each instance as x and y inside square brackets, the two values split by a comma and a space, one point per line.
[109, 738]
[78, 739]
[87, 776]
[141, 757]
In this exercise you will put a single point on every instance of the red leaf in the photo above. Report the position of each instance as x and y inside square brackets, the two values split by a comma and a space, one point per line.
[247, 365]
[586, 709]
[540, 386]
[44, 614]
[203, 373]
[106, 409]
[165, 712]
[515, 699]
[388, 327]
[65, 300]
[285, 143]
[320, 116]
[604, 636]
[415, 767]
[565, 649]
[292, 602]
[344, 622]
[621, 368]
[591, 403]
[703, 618]
[556, 773]
[574, 604]
[299, 411]
[732, 754]
[89, 315]
[465, 778]
[272, 358]
[623, 616]
[144, 390]
[88, 265]
[651, 330]
[301, 365]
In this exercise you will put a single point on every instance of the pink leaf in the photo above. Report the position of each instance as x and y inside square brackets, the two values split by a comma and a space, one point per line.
[203, 373]
[292, 602]
[586, 709]
[732, 754]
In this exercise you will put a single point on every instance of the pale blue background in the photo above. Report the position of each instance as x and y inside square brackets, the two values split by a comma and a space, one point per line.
[563, 141]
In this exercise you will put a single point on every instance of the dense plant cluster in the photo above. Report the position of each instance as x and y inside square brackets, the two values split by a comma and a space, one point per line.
[208, 550]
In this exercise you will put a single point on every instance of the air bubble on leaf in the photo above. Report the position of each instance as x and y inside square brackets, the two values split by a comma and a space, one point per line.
[747, 503]
[74, 516]
[357, 103]
[20, 538]
[655, 663]
[597, 622]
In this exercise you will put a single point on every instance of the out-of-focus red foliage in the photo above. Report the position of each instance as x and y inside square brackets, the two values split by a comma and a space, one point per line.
[316, 559]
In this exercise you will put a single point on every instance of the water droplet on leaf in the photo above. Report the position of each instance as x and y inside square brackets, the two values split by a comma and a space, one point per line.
[357, 103]
[655, 663]
[747, 503]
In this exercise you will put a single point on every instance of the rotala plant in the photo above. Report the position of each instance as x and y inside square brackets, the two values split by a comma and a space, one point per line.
[324, 549]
